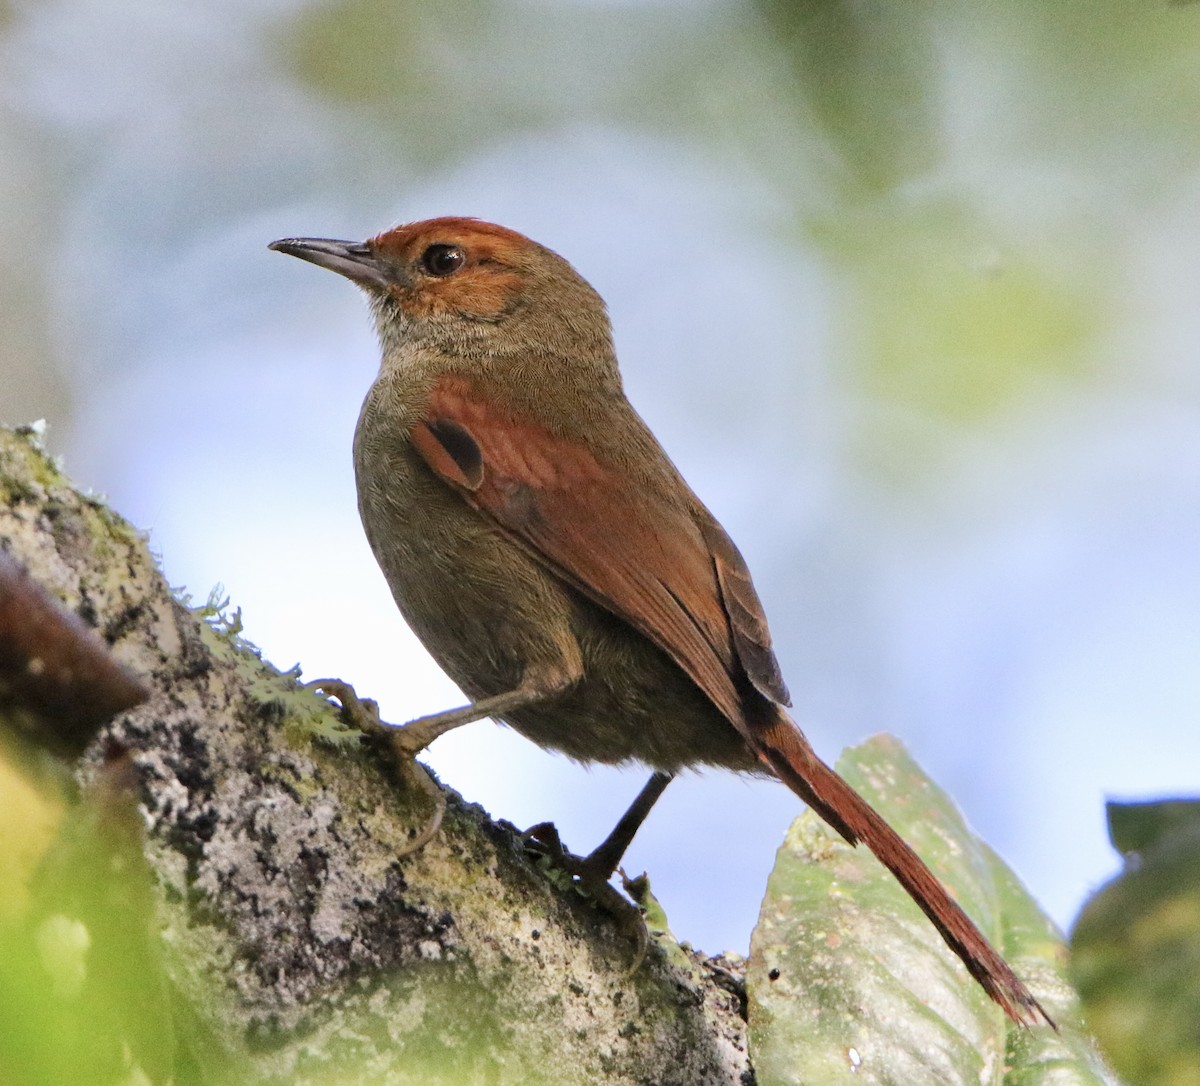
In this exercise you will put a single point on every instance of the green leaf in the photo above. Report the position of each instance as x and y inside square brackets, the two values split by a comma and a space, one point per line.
[1135, 949]
[847, 978]
[1140, 827]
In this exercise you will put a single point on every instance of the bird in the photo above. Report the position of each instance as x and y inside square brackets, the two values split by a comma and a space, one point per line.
[549, 555]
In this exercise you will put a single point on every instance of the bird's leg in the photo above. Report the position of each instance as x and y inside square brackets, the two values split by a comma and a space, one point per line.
[417, 734]
[407, 740]
[598, 865]
[538, 683]
[595, 869]
[603, 860]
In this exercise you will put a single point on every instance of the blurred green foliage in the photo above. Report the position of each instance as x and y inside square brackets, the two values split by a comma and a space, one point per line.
[1136, 946]
[864, 69]
[956, 322]
[983, 158]
[83, 996]
[437, 83]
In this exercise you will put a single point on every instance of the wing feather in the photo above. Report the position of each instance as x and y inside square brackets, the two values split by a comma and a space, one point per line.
[668, 570]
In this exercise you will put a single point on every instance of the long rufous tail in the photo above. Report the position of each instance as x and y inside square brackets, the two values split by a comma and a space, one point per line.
[783, 747]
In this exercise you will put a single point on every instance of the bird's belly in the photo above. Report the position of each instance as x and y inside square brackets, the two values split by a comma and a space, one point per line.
[633, 704]
[475, 600]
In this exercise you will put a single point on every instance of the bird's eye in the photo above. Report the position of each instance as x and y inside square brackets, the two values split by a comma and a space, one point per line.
[443, 260]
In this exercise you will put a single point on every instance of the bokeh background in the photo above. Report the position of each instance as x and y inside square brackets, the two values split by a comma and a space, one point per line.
[909, 291]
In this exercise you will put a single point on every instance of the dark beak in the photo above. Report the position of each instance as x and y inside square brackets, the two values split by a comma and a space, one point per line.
[353, 259]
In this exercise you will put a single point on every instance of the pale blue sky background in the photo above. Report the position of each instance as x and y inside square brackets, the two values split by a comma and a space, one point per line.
[910, 297]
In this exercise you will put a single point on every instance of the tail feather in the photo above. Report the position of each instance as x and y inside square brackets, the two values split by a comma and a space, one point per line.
[784, 749]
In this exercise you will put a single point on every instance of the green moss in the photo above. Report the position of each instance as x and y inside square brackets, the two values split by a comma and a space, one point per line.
[27, 471]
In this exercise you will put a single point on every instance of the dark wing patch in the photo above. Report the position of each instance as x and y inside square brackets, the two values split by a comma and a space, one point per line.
[451, 450]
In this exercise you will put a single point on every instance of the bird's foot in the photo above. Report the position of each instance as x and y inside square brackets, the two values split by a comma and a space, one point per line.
[590, 875]
[363, 714]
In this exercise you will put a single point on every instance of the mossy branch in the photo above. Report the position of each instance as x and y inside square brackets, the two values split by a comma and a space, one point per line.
[295, 944]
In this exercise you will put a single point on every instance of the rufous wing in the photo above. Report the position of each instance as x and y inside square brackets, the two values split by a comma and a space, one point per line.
[667, 568]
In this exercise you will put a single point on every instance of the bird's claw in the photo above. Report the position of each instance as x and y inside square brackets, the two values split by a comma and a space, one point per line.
[360, 713]
[417, 774]
[591, 875]
[363, 714]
